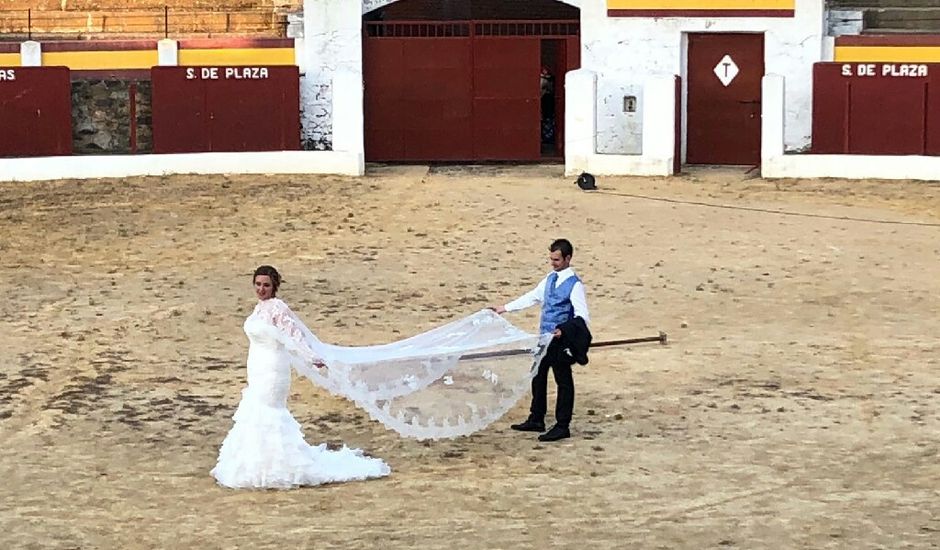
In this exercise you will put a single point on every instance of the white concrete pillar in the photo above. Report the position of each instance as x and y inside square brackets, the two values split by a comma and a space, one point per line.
[300, 59]
[348, 116]
[580, 119]
[332, 42]
[659, 118]
[31, 54]
[828, 48]
[168, 53]
[773, 111]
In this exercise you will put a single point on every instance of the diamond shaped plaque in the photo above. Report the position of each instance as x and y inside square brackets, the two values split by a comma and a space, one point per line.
[726, 70]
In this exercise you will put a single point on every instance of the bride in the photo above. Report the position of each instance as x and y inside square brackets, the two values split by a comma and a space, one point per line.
[265, 448]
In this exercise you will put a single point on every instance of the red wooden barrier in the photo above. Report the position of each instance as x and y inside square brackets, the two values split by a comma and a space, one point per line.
[35, 111]
[876, 108]
[463, 90]
[201, 109]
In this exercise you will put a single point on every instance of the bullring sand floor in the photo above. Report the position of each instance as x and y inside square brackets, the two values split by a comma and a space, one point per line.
[796, 406]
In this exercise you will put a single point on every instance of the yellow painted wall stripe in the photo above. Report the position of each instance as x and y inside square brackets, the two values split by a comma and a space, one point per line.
[238, 56]
[101, 60]
[701, 4]
[9, 60]
[887, 54]
[145, 59]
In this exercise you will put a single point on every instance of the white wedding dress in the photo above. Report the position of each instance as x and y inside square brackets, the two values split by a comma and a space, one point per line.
[265, 448]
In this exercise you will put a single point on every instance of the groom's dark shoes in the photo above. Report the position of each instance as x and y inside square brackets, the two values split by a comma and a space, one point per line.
[529, 426]
[557, 432]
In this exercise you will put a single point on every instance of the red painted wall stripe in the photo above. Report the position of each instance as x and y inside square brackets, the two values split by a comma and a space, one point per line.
[234, 43]
[700, 13]
[98, 45]
[9, 47]
[123, 45]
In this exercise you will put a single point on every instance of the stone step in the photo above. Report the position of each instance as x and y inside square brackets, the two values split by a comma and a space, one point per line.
[911, 19]
[145, 22]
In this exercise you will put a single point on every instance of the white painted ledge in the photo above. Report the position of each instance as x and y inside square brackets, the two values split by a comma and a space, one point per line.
[852, 167]
[120, 166]
[619, 165]
[776, 164]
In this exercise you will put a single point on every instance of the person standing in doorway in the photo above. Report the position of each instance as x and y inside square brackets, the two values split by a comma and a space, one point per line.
[565, 315]
[547, 107]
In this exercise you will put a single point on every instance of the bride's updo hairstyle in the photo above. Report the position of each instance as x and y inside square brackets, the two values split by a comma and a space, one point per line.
[270, 272]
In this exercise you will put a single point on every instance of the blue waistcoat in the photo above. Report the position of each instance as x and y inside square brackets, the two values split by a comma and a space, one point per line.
[556, 305]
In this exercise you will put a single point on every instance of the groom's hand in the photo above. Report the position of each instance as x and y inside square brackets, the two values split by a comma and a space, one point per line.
[498, 309]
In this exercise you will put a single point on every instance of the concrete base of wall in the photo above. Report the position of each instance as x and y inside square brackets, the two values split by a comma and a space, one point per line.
[110, 166]
[618, 165]
[852, 167]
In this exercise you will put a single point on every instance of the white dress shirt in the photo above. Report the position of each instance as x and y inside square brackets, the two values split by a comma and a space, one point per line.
[537, 294]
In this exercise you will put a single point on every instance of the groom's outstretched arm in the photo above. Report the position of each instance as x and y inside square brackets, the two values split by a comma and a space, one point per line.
[528, 299]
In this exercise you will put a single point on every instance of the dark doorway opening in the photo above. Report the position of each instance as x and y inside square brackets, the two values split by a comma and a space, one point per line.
[554, 57]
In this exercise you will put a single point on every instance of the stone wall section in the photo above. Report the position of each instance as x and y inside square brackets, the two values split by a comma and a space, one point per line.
[101, 116]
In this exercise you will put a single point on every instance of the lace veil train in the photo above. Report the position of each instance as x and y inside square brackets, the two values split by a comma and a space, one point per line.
[448, 382]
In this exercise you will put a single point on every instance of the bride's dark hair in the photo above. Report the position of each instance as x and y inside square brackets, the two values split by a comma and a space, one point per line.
[270, 272]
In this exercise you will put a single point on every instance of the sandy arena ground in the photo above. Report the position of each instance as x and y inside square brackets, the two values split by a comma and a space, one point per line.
[796, 406]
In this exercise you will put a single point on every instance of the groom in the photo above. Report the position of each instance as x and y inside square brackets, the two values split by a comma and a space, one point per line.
[565, 315]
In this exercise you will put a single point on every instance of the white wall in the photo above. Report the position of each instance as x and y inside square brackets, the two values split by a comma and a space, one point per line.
[776, 164]
[852, 167]
[625, 51]
[348, 120]
[370, 5]
[332, 41]
[581, 139]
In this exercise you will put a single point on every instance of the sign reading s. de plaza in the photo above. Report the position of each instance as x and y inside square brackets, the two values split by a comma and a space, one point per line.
[227, 73]
[899, 70]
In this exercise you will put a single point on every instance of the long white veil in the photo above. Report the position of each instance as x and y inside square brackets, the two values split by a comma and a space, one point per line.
[448, 382]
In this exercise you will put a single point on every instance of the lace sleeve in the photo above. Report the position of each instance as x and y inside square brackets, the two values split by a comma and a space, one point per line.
[281, 316]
